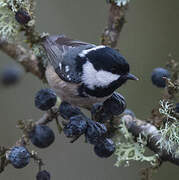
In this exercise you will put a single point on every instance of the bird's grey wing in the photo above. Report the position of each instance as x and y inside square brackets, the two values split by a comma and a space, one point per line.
[62, 53]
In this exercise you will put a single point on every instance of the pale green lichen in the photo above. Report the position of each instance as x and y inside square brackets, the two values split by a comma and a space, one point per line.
[127, 149]
[169, 130]
[122, 2]
[167, 109]
[119, 2]
[9, 28]
[14, 5]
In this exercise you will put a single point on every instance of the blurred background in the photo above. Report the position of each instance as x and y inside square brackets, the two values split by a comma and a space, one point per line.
[148, 37]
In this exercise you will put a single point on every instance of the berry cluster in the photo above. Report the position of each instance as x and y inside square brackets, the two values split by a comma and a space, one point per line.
[95, 132]
[40, 135]
[75, 125]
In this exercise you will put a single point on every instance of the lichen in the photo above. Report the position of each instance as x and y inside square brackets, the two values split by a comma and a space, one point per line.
[14, 5]
[119, 2]
[127, 149]
[40, 53]
[122, 2]
[169, 130]
[167, 109]
[9, 28]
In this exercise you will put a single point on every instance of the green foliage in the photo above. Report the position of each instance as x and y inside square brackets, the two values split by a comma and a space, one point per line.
[169, 130]
[127, 149]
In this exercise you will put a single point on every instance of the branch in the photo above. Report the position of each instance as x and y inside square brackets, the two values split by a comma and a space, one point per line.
[23, 56]
[137, 126]
[116, 20]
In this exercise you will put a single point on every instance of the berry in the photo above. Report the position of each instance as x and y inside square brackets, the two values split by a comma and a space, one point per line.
[45, 99]
[42, 136]
[43, 175]
[10, 76]
[95, 131]
[67, 110]
[157, 77]
[76, 127]
[177, 108]
[129, 112]
[22, 17]
[19, 156]
[99, 113]
[104, 148]
[116, 104]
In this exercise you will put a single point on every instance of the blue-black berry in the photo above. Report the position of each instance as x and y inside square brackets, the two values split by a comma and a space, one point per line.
[19, 156]
[95, 131]
[100, 114]
[45, 99]
[116, 104]
[76, 126]
[67, 110]
[10, 76]
[42, 136]
[43, 175]
[129, 112]
[177, 108]
[157, 77]
[22, 17]
[105, 148]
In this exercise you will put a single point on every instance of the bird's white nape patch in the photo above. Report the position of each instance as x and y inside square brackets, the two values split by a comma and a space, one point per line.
[86, 51]
[93, 78]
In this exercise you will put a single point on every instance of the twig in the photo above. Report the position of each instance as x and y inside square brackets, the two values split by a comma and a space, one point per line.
[116, 20]
[48, 116]
[23, 56]
[137, 126]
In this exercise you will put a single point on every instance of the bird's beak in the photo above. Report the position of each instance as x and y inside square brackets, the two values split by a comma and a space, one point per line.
[131, 77]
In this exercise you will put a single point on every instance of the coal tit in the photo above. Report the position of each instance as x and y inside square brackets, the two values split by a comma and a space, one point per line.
[81, 73]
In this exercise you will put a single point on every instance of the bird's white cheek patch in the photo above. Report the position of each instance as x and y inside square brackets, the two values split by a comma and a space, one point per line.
[93, 78]
[104, 78]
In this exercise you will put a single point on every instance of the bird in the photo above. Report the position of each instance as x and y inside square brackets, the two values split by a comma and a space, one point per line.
[82, 73]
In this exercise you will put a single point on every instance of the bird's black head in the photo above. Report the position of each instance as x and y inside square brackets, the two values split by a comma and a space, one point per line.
[104, 70]
[107, 59]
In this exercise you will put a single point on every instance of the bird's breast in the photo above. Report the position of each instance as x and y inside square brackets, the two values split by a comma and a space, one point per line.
[69, 91]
